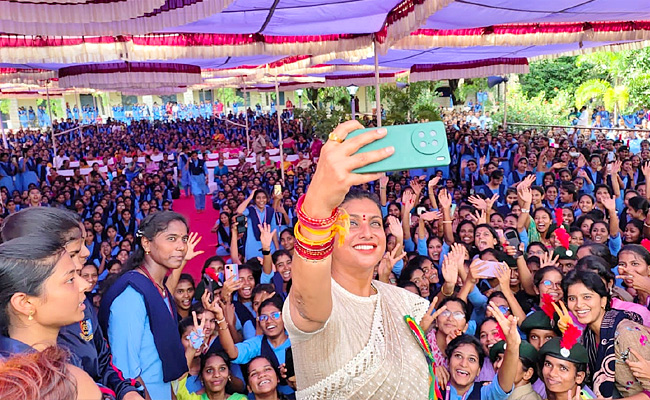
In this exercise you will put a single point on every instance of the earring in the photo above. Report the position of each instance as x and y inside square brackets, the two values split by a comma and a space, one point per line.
[30, 317]
[147, 252]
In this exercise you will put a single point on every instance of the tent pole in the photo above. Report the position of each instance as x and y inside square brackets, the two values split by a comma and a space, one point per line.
[377, 94]
[96, 109]
[49, 110]
[4, 135]
[281, 140]
[505, 105]
[248, 139]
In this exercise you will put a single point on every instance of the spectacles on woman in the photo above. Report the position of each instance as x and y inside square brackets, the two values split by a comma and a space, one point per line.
[457, 315]
[551, 283]
[274, 316]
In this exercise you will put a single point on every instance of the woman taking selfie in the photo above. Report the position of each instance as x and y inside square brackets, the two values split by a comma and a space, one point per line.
[137, 311]
[334, 306]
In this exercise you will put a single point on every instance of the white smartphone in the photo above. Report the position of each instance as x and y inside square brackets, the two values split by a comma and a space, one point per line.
[490, 270]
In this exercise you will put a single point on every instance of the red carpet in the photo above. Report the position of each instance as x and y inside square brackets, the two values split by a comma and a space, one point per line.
[201, 223]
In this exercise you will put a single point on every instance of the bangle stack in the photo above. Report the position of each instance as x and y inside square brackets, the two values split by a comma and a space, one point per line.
[317, 250]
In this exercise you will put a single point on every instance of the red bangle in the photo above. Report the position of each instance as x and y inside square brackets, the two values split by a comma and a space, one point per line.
[314, 223]
[314, 254]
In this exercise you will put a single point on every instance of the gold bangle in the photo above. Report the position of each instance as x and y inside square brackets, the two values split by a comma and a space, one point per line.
[445, 294]
[223, 320]
[223, 329]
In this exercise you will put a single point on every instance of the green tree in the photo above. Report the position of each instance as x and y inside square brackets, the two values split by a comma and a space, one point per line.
[552, 76]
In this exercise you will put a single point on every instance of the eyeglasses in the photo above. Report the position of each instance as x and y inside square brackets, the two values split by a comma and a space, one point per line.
[550, 283]
[504, 309]
[457, 315]
[274, 315]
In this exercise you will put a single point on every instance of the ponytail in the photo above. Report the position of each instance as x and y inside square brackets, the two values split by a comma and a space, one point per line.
[151, 226]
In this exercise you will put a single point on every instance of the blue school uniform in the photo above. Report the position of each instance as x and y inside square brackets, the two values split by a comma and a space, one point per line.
[29, 176]
[198, 172]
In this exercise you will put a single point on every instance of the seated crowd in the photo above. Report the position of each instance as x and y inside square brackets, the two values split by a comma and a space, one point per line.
[547, 228]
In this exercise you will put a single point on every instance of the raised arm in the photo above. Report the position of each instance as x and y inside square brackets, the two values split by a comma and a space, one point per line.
[245, 203]
[616, 179]
[266, 238]
[508, 371]
[311, 291]
[610, 205]
[525, 200]
[445, 206]
[173, 279]
[408, 200]
[503, 275]
[383, 182]
[432, 185]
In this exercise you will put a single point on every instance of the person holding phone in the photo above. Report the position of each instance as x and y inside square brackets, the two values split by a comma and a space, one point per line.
[334, 306]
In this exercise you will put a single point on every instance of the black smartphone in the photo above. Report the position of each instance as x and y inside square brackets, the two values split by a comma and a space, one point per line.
[241, 224]
[288, 362]
[209, 286]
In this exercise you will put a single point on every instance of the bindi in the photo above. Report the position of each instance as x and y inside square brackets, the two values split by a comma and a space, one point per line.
[363, 217]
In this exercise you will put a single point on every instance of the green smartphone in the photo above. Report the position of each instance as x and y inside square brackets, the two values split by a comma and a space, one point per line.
[416, 146]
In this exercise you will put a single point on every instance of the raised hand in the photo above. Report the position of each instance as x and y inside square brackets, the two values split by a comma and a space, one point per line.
[490, 202]
[334, 172]
[408, 199]
[431, 315]
[431, 216]
[417, 186]
[478, 202]
[547, 260]
[383, 181]
[192, 241]
[433, 183]
[525, 194]
[450, 271]
[609, 202]
[503, 275]
[229, 287]
[212, 305]
[565, 317]
[508, 325]
[395, 228]
[632, 278]
[476, 270]
[645, 169]
[197, 335]
[266, 235]
[444, 198]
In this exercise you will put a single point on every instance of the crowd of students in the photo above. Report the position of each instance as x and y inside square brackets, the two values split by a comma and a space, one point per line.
[528, 249]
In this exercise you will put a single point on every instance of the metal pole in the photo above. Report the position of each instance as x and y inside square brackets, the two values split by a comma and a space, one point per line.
[78, 101]
[49, 110]
[377, 94]
[352, 110]
[4, 135]
[96, 109]
[277, 111]
[505, 104]
[248, 139]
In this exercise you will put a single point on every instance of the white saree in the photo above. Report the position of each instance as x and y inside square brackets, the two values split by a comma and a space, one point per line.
[364, 351]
